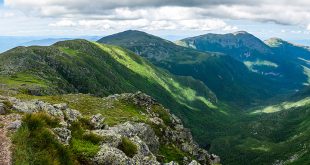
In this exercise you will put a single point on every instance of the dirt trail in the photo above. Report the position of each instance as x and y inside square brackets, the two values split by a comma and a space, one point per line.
[5, 142]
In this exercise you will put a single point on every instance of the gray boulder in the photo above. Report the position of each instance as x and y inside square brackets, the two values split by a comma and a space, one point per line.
[2, 109]
[50, 109]
[14, 125]
[111, 155]
[194, 162]
[72, 115]
[61, 106]
[142, 130]
[97, 121]
[26, 107]
[215, 159]
[172, 163]
[63, 134]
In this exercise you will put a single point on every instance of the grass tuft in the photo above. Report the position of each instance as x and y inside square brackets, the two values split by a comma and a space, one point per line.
[128, 147]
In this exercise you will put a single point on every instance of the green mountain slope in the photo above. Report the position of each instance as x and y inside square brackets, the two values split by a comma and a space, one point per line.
[228, 78]
[275, 134]
[80, 66]
[275, 59]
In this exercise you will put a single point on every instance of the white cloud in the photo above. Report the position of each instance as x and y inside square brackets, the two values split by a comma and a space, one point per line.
[308, 27]
[202, 25]
[63, 23]
[280, 11]
[230, 28]
[195, 15]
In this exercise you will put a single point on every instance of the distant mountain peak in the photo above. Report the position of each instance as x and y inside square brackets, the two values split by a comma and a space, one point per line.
[241, 40]
[133, 31]
[240, 32]
[276, 42]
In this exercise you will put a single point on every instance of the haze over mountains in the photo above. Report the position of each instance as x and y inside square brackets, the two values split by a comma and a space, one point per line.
[9, 42]
[243, 99]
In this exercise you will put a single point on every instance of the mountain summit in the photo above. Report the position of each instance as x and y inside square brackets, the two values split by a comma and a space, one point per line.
[240, 45]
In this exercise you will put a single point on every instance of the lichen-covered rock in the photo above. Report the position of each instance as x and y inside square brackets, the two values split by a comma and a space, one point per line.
[35, 106]
[61, 106]
[50, 109]
[142, 99]
[111, 155]
[26, 107]
[14, 125]
[157, 121]
[194, 162]
[215, 159]
[72, 115]
[63, 134]
[142, 130]
[2, 109]
[172, 163]
[110, 137]
[143, 149]
[97, 121]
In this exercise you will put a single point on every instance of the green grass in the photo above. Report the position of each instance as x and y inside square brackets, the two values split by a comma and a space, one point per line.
[263, 138]
[34, 143]
[128, 147]
[84, 150]
[181, 93]
[283, 106]
[22, 78]
[171, 153]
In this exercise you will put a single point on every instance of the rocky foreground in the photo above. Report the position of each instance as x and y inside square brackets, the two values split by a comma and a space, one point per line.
[145, 137]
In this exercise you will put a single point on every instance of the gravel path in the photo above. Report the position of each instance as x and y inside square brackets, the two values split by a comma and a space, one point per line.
[5, 142]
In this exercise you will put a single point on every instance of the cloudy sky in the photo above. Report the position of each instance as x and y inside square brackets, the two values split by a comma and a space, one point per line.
[168, 18]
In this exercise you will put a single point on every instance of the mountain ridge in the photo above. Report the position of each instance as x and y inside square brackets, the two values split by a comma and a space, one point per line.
[217, 70]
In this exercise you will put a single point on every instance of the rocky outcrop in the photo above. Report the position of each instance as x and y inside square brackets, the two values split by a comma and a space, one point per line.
[173, 133]
[159, 129]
